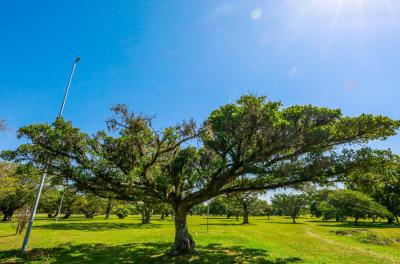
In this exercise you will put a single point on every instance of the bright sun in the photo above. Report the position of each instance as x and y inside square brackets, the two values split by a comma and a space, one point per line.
[357, 14]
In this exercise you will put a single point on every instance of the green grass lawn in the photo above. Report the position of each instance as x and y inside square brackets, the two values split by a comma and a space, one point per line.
[80, 240]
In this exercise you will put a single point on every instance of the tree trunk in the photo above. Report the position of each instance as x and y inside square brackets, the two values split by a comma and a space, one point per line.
[184, 243]
[162, 215]
[146, 216]
[237, 217]
[373, 219]
[245, 215]
[7, 215]
[294, 219]
[67, 214]
[245, 218]
[356, 220]
[110, 205]
[268, 217]
[390, 220]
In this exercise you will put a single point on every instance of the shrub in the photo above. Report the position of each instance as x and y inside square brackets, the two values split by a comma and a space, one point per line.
[373, 238]
[365, 236]
[122, 212]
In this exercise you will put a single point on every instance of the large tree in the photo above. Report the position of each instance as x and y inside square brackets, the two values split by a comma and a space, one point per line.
[266, 144]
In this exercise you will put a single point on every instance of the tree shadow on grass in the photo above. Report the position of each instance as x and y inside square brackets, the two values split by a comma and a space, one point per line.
[93, 226]
[289, 222]
[143, 253]
[229, 224]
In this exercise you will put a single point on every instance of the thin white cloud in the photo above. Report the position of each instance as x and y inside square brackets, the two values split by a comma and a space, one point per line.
[219, 12]
[256, 14]
[222, 10]
[295, 72]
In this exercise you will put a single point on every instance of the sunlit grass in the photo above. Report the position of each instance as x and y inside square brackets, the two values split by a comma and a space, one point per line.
[78, 240]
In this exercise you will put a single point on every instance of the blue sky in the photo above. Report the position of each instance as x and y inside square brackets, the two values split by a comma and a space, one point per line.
[182, 59]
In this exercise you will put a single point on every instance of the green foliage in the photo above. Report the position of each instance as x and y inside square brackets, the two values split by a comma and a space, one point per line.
[348, 203]
[91, 205]
[218, 206]
[199, 209]
[121, 212]
[382, 185]
[262, 208]
[17, 187]
[50, 201]
[289, 204]
[315, 198]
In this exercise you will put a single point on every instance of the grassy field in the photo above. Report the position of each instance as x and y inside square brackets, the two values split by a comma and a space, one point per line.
[78, 240]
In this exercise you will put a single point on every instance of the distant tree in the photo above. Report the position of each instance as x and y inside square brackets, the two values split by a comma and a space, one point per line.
[91, 205]
[50, 201]
[289, 204]
[261, 208]
[314, 201]
[218, 206]
[72, 202]
[17, 188]
[121, 211]
[146, 208]
[162, 209]
[199, 209]
[256, 139]
[348, 203]
[269, 210]
[245, 200]
[233, 208]
[383, 186]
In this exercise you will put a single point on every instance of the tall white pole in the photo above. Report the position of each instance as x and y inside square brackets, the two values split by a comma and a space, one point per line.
[60, 206]
[42, 180]
[69, 84]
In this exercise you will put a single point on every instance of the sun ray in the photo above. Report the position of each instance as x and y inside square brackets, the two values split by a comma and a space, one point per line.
[334, 23]
[390, 8]
[360, 7]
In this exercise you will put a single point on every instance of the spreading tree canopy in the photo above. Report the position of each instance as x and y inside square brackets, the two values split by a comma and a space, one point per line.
[259, 140]
[289, 204]
[382, 184]
[347, 203]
